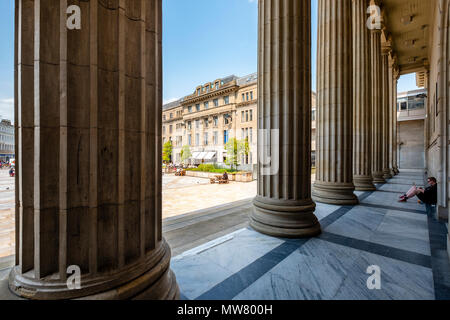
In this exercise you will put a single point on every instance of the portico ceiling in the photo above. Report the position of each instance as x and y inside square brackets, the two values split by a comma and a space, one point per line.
[408, 23]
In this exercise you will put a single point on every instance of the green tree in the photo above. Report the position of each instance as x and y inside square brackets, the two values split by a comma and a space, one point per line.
[235, 149]
[185, 153]
[167, 151]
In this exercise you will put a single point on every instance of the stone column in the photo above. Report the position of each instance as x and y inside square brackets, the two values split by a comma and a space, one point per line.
[377, 156]
[283, 206]
[391, 117]
[362, 108]
[334, 177]
[89, 146]
[385, 114]
[396, 76]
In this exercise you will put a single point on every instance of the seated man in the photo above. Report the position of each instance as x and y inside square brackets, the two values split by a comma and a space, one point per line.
[225, 176]
[427, 196]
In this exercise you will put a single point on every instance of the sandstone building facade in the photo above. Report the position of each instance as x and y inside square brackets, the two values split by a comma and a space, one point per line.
[216, 112]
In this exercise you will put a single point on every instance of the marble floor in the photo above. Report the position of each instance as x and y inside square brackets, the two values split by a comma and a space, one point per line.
[407, 245]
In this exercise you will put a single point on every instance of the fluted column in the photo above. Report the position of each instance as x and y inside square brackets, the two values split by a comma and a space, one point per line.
[89, 171]
[377, 155]
[283, 206]
[391, 117]
[362, 108]
[334, 176]
[386, 106]
[394, 120]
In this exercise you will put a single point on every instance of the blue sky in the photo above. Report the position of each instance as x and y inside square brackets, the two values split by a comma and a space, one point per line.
[203, 40]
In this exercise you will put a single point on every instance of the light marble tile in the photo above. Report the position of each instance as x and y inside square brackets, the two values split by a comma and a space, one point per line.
[273, 287]
[324, 210]
[399, 281]
[398, 241]
[196, 275]
[243, 249]
[318, 266]
[405, 227]
[359, 223]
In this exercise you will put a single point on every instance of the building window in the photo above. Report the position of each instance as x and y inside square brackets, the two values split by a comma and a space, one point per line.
[251, 95]
[225, 136]
[164, 129]
[243, 97]
[242, 116]
[197, 139]
[164, 118]
[216, 138]
[197, 107]
[251, 136]
[206, 123]
[197, 124]
[170, 129]
[226, 118]
[189, 125]
[206, 138]
[313, 115]
[171, 116]
[247, 96]
[246, 133]
[242, 134]
[190, 139]
[251, 115]
[206, 105]
[246, 116]
[226, 100]
[216, 102]
[217, 85]
[190, 109]
[216, 121]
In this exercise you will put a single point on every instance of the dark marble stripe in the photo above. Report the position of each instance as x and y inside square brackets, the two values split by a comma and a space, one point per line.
[379, 206]
[235, 284]
[439, 258]
[365, 195]
[375, 248]
[333, 217]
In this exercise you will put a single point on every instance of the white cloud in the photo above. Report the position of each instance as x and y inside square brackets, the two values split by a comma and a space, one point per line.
[7, 109]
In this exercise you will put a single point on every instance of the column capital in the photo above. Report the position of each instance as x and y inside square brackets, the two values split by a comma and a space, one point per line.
[386, 48]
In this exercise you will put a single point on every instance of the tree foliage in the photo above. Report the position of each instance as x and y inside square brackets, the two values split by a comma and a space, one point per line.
[235, 149]
[167, 151]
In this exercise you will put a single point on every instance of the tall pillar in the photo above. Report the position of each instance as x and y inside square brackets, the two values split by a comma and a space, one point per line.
[386, 105]
[377, 156]
[89, 145]
[362, 108]
[391, 117]
[395, 77]
[283, 206]
[334, 176]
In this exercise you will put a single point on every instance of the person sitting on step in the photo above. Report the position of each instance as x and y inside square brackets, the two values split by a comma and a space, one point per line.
[427, 196]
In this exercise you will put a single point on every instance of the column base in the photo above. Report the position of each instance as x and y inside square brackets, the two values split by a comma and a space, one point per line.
[387, 174]
[392, 172]
[285, 218]
[149, 279]
[335, 193]
[364, 183]
[378, 178]
[396, 170]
